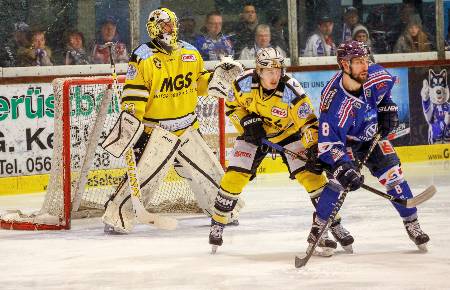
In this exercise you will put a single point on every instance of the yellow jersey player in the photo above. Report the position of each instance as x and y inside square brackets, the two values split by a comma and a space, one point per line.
[266, 103]
[164, 79]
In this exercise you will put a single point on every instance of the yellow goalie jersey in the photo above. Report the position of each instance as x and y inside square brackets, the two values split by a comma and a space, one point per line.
[162, 89]
[285, 111]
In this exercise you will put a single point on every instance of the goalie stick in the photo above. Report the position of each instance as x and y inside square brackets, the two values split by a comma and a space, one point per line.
[409, 202]
[301, 261]
[142, 215]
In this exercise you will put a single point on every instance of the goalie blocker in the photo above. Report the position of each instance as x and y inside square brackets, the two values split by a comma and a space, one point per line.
[155, 153]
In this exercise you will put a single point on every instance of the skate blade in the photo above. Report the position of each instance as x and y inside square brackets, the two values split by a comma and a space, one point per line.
[214, 249]
[323, 252]
[423, 247]
[348, 249]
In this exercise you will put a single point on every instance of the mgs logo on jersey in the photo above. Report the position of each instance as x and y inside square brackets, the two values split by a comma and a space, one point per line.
[178, 83]
[304, 110]
[188, 57]
[278, 112]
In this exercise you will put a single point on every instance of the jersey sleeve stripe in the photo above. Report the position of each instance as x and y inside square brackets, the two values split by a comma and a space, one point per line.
[130, 92]
[330, 84]
[377, 80]
[297, 99]
[134, 99]
[137, 87]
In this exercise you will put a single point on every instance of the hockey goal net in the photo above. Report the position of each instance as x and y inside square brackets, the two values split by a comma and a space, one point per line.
[83, 175]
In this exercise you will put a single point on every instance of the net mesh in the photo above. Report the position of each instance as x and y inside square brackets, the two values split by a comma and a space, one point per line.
[84, 97]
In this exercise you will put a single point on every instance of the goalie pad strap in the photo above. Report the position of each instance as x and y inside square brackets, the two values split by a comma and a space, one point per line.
[172, 152]
[196, 167]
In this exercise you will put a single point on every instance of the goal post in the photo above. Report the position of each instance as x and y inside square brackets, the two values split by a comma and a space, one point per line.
[83, 175]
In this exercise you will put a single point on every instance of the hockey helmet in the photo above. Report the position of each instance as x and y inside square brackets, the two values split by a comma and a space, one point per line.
[162, 25]
[269, 58]
[351, 49]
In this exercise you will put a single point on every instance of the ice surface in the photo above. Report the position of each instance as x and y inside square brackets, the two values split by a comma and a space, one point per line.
[258, 254]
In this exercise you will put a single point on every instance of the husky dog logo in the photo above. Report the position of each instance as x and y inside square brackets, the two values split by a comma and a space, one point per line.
[436, 107]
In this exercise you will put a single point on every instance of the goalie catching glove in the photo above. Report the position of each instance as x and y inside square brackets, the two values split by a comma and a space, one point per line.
[224, 74]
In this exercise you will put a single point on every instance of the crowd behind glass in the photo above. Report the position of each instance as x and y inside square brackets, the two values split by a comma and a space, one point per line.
[386, 28]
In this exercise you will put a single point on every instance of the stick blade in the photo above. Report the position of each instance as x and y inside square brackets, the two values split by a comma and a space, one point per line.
[300, 261]
[421, 197]
[165, 223]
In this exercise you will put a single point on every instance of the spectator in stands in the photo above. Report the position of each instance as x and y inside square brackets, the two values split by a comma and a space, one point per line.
[351, 19]
[407, 11]
[279, 32]
[75, 52]
[108, 33]
[213, 44]
[38, 55]
[262, 40]
[21, 37]
[245, 30]
[378, 25]
[321, 42]
[360, 33]
[414, 39]
[187, 28]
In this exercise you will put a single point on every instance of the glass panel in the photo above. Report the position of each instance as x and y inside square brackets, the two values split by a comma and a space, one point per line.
[58, 32]
[447, 24]
[387, 26]
[226, 27]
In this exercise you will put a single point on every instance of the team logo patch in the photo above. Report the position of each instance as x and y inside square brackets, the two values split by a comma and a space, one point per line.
[336, 154]
[230, 96]
[386, 147]
[248, 101]
[131, 72]
[304, 110]
[157, 62]
[282, 113]
[188, 57]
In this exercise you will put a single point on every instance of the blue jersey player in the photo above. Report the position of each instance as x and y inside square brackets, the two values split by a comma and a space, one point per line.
[355, 105]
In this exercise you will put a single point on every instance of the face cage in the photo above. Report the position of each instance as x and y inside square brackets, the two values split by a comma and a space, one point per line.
[169, 39]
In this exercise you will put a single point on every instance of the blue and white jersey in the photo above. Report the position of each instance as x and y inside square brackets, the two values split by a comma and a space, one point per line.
[346, 117]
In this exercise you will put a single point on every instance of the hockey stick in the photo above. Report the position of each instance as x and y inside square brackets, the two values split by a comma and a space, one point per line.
[142, 215]
[409, 203]
[301, 261]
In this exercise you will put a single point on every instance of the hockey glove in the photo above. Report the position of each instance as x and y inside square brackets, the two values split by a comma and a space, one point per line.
[224, 74]
[347, 175]
[313, 163]
[387, 118]
[253, 129]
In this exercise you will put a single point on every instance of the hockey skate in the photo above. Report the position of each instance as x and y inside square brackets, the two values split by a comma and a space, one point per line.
[415, 233]
[326, 246]
[342, 236]
[215, 235]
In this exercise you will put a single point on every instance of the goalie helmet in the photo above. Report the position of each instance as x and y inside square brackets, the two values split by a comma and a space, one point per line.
[162, 25]
[269, 58]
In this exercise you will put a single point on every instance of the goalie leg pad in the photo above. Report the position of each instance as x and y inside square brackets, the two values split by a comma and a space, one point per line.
[119, 216]
[200, 167]
[155, 158]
